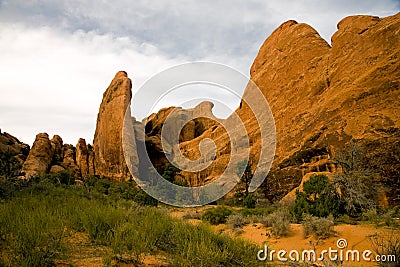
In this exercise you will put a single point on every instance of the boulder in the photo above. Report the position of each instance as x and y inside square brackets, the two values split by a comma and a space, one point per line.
[39, 159]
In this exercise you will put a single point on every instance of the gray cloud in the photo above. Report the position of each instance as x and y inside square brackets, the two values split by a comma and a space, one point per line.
[59, 56]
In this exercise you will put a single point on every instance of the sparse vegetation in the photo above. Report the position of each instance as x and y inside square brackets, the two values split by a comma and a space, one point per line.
[237, 220]
[321, 228]
[387, 245]
[280, 221]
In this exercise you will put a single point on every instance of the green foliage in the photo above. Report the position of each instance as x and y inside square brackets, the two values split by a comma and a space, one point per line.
[319, 227]
[319, 198]
[35, 224]
[250, 201]
[9, 164]
[170, 171]
[216, 215]
[242, 191]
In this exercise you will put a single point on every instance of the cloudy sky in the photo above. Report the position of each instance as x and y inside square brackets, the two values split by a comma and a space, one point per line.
[58, 57]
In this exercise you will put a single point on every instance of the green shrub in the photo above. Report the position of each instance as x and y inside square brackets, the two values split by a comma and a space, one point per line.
[319, 198]
[250, 201]
[319, 227]
[370, 215]
[216, 215]
[345, 219]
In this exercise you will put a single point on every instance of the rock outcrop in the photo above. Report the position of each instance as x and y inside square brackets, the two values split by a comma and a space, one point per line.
[13, 153]
[109, 158]
[82, 157]
[39, 158]
[324, 99]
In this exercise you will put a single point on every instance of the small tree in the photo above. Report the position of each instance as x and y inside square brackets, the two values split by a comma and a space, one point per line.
[170, 171]
[319, 198]
[358, 191]
[245, 168]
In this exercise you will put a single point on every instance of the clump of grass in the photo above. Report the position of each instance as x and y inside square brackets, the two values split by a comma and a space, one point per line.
[237, 220]
[216, 215]
[319, 227]
[192, 215]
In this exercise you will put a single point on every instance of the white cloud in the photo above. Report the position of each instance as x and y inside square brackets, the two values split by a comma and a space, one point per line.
[52, 81]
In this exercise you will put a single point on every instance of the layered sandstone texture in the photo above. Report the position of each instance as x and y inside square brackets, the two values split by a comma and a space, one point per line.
[325, 98]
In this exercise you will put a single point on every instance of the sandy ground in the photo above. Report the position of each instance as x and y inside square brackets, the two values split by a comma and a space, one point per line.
[356, 236]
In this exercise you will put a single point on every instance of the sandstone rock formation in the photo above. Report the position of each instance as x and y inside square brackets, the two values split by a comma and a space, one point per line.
[82, 157]
[326, 98]
[39, 158]
[69, 162]
[109, 158]
[13, 153]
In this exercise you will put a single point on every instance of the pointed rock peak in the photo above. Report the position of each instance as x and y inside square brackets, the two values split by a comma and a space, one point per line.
[57, 139]
[120, 74]
[204, 108]
[288, 24]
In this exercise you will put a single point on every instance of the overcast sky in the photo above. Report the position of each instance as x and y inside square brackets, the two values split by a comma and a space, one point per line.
[58, 57]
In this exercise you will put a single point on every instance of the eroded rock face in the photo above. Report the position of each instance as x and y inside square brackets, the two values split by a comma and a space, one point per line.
[57, 144]
[109, 160]
[179, 125]
[69, 162]
[39, 158]
[13, 153]
[326, 98]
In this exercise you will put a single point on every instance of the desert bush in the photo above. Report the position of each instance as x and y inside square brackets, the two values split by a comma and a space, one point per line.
[250, 201]
[345, 219]
[387, 244]
[319, 227]
[280, 222]
[216, 215]
[319, 198]
[388, 218]
[370, 215]
[192, 215]
[359, 192]
[257, 211]
[237, 220]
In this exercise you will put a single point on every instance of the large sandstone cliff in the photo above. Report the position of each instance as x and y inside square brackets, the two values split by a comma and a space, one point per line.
[324, 98]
